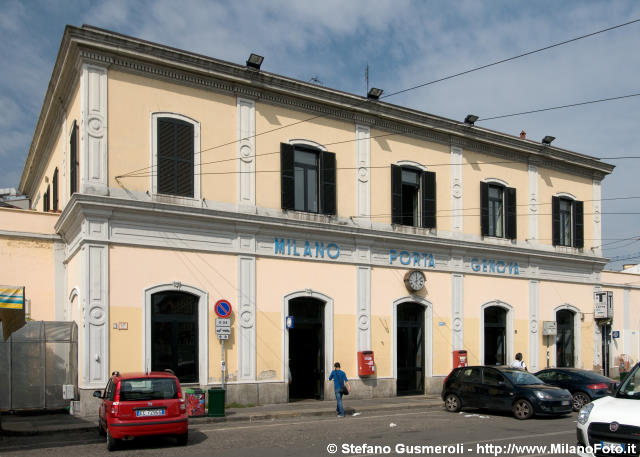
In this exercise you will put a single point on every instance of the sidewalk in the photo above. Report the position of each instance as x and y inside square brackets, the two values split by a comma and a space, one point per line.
[48, 423]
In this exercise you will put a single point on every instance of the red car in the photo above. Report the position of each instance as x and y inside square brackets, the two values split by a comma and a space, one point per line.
[142, 404]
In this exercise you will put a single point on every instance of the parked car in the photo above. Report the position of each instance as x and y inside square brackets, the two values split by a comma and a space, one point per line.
[503, 388]
[141, 404]
[611, 425]
[585, 386]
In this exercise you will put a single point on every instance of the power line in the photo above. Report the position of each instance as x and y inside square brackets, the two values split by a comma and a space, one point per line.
[512, 58]
[558, 107]
[363, 102]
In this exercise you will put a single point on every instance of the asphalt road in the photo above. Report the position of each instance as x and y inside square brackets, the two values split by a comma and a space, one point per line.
[466, 433]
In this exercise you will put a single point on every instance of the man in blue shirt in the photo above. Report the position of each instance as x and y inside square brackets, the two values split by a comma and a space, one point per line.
[339, 378]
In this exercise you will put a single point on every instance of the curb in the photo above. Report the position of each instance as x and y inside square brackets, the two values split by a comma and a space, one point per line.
[196, 422]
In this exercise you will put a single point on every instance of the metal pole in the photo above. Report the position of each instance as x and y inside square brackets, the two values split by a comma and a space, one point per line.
[548, 336]
[222, 365]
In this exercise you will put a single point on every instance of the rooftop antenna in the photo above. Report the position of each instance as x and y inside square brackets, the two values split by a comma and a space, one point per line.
[366, 78]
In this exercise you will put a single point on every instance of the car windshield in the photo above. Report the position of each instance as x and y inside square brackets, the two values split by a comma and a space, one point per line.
[521, 377]
[147, 389]
[630, 388]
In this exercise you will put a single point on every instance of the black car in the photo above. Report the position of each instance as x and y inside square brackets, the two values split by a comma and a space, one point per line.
[503, 388]
[585, 386]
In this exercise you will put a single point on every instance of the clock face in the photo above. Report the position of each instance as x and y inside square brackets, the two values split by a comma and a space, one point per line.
[416, 280]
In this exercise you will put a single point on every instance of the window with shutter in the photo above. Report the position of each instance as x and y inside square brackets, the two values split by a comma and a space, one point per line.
[55, 190]
[498, 216]
[413, 197]
[308, 179]
[567, 218]
[46, 200]
[73, 159]
[175, 157]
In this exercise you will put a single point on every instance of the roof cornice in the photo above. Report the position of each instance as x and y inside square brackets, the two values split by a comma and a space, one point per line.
[155, 60]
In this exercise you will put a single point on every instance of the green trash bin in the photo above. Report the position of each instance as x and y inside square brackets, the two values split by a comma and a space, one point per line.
[216, 402]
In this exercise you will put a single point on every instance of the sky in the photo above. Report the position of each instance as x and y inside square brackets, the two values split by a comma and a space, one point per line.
[404, 43]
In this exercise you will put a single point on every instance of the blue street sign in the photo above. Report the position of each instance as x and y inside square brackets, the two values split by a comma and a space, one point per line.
[615, 334]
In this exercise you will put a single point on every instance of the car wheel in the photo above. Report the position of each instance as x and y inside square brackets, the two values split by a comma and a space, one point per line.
[112, 443]
[182, 439]
[579, 400]
[452, 403]
[522, 409]
[101, 431]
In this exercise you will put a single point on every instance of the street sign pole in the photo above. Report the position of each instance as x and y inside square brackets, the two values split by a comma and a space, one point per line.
[222, 366]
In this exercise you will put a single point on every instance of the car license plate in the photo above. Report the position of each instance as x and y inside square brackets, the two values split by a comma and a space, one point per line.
[150, 412]
[612, 448]
[564, 402]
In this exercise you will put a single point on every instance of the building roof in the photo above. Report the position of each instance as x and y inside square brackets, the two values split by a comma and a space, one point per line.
[125, 53]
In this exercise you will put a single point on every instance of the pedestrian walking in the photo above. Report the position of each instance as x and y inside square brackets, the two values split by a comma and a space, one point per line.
[340, 386]
[519, 363]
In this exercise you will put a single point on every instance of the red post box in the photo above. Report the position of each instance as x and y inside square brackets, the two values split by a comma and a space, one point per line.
[460, 359]
[366, 365]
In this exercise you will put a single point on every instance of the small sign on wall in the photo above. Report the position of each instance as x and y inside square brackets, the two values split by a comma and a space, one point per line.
[549, 328]
[121, 326]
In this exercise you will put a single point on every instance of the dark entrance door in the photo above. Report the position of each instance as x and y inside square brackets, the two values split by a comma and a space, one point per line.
[306, 349]
[495, 335]
[174, 334]
[410, 349]
[564, 338]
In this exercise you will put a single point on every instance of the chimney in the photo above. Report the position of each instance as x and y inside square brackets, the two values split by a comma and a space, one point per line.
[523, 135]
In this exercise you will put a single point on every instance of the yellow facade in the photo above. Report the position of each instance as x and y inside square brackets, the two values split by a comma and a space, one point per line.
[123, 242]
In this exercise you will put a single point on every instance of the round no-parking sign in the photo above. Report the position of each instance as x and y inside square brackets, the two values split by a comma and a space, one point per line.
[223, 308]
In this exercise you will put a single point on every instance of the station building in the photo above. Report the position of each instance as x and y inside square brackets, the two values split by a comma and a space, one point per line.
[162, 181]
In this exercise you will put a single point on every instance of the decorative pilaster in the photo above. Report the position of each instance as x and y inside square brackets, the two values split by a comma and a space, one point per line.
[93, 145]
[364, 308]
[456, 189]
[247, 152]
[246, 318]
[534, 326]
[533, 203]
[457, 312]
[597, 218]
[363, 162]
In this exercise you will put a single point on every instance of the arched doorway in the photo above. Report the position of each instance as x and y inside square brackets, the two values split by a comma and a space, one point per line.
[495, 335]
[174, 334]
[306, 348]
[565, 338]
[410, 348]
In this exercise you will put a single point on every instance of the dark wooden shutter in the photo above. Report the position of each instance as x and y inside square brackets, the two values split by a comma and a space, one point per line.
[287, 183]
[578, 224]
[328, 182]
[428, 199]
[555, 220]
[73, 160]
[55, 190]
[46, 201]
[484, 208]
[175, 157]
[510, 211]
[396, 194]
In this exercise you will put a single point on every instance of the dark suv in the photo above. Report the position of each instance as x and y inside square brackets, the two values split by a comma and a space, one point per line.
[502, 388]
[140, 404]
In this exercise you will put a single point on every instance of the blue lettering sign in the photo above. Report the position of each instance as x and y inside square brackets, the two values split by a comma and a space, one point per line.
[404, 254]
[474, 264]
[320, 250]
[279, 246]
[307, 249]
[296, 253]
[336, 250]
[432, 261]
[500, 266]
[393, 255]
[494, 266]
